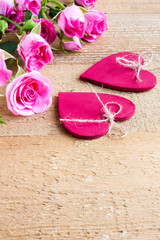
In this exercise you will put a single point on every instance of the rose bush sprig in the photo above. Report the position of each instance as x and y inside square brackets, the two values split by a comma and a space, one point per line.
[39, 23]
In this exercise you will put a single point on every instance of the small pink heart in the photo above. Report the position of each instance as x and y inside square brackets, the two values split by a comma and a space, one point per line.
[109, 73]
[86, 106]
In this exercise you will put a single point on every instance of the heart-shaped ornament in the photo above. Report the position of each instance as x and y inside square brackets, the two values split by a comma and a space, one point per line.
[82, 114]
[112, 74]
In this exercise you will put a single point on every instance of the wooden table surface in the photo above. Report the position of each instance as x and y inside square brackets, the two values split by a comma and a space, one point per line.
[54, 186]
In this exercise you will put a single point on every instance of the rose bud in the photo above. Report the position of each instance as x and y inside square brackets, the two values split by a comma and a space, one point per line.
[5, 74]
[28, 94]
[85, 3]
[71, 44]
[47, 30]
[29, 25]
[71, 21]
[35, 51]
[7, 6]
[16, 16]
[96, 25]
[32, 5]
[3, 26]
[8, 10]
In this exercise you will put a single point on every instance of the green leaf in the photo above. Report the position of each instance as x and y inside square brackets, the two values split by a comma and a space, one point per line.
[1, 120]
[28, 16]
[10, 63]
[19, 72]
[67, 39]
[15, 4]
[83, 42]
[40, 14]
[9, 46]
[43, 3]
[37, 29]
[54, 11]
[34, 17]
[83, 10]
[11, 78]
[55, 49]
[23, 33]
[7, 55]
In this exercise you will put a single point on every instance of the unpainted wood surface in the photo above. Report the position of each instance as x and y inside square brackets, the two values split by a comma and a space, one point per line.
[56, 187]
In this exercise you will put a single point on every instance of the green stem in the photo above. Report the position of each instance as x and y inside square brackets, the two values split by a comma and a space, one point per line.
[53, 8]
[44, 15]
[57, 3]
[62, 48]
[10, 21]
[58, 34]
[1, 120]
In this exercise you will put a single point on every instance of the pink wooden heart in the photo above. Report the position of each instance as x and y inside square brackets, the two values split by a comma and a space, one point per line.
[86, 106]
[109, 73]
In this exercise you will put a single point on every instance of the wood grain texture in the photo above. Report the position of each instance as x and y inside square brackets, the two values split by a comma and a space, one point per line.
[56, 187]
[95, 190]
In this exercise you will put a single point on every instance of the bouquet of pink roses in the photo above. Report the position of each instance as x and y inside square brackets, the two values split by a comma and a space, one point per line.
[39, 24]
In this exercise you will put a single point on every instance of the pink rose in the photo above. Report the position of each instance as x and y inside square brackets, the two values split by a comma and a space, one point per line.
[32, 5]
[6, 6]
[96, 25]
[86, 3]
[71, 21]
[7, 9]
[28, 94]
[71, 44]
[35, 51]
[5, 74]
[16, 16]
[47, 30]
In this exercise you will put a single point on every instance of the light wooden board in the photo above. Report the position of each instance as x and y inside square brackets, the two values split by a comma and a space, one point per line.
[56, 187]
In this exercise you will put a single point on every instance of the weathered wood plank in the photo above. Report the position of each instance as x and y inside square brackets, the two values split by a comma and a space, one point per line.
[101, 189]
[125, 6]
[56, 187]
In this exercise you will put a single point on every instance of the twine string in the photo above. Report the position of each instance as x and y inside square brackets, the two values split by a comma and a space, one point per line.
[137, 66]
[108, 117]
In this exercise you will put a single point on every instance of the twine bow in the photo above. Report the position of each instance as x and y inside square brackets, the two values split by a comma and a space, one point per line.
[136, 65]
[110, 117]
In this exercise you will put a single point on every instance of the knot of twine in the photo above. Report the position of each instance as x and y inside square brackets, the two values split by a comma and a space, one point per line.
[120, 132]
[136, 65]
